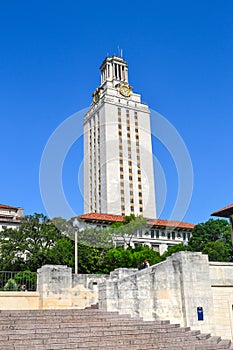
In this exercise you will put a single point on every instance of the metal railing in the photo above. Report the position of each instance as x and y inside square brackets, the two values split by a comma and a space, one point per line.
[18, 281]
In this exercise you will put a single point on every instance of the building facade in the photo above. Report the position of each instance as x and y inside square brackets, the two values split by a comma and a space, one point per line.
[157, 234]
[118, 164]
[10, 217]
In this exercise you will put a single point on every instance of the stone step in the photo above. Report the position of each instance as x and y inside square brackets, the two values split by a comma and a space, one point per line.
[94, 325]
[92, 340]
[93, 335]
[94, 329]
[94, 343]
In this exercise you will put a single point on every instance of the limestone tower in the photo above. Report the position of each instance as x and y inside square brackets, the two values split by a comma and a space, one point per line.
[118, 163]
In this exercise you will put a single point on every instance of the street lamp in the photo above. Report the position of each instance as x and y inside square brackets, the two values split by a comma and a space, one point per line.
[75, 226]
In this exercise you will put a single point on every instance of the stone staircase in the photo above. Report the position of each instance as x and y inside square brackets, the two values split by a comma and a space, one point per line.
[97, 330]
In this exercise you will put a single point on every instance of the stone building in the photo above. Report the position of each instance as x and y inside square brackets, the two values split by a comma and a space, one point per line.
[118, 161]
[10, 217]
[158, 234]
[118, 165]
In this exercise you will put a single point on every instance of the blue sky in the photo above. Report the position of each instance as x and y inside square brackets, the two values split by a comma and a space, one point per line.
[180, 56]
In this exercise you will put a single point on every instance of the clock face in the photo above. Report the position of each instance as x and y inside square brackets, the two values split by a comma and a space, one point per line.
[96, 96]
[125, 90]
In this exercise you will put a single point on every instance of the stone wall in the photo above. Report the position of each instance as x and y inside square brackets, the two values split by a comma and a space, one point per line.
[19, 300]
[221, 275]
[169, 290]
[59, 289]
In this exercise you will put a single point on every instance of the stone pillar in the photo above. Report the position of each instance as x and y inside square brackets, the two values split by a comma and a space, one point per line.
[53, 282]
[109, 297]
[196, 290]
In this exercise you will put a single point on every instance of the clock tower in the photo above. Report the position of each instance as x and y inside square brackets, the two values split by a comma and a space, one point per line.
[118, 163]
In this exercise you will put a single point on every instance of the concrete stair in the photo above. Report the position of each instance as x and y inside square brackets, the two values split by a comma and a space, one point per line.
[97, 330]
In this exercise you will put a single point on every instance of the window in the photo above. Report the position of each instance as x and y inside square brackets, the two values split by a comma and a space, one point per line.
[121, 169]
[152, 233]
[157, 233]
[121, 176]
[130, 177]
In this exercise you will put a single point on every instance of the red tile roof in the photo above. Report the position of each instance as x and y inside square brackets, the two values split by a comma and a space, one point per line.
[120, 218]
[102, 217]
[3, 206]
[171, 223]
[224, 212]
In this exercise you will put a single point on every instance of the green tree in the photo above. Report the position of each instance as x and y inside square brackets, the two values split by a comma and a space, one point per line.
[212, 237]
[174, 249]
[130, 257]
[35, 243]
[128, 229]
[217, 251]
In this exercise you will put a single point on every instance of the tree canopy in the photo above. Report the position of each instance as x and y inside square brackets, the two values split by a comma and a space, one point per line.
[39, 241]
[212, 237]
[35, 243]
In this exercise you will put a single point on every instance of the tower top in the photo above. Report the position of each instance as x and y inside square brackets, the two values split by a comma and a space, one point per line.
[114, 69]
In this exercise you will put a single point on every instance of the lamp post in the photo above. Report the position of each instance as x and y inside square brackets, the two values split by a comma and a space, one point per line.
[75, 226]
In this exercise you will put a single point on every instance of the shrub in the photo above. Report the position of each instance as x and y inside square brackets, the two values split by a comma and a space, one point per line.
[11, 285]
